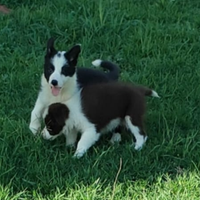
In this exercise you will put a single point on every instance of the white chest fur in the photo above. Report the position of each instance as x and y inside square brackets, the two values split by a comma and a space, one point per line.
[76, 119]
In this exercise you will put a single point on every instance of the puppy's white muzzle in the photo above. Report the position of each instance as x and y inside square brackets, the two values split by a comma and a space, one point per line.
[46, 135]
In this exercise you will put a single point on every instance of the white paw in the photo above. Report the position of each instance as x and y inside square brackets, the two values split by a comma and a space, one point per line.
[116, 138]
[34, 127]
[138, 147]
[139, 144]
[79, 153]
[45, 134]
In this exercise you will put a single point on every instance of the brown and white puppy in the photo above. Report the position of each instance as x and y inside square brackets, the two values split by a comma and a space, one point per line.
[96, 109]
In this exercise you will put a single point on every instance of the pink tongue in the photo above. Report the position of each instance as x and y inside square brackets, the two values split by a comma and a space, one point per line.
[55, 90]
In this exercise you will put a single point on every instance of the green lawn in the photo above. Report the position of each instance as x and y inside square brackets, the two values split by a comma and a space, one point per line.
[156, 43]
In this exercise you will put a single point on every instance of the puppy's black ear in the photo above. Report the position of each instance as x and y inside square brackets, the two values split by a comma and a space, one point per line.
[62, 113]
[72, 55]
[50, 47]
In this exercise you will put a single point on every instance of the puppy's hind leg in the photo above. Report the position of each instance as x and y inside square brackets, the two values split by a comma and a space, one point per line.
[88, 138]
[137, 131]
[116, 136]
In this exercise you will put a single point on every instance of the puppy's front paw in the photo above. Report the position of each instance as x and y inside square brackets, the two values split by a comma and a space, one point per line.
[79, 154]
[139, 144]
[34, 127]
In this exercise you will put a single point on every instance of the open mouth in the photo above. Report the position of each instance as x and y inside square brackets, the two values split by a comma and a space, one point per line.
[55, 90]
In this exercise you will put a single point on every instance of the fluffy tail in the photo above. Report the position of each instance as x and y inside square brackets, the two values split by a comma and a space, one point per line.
[147, 92]
[114, 70]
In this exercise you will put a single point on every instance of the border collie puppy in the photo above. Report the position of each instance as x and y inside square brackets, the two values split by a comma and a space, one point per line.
[96, 109]
[61, 77]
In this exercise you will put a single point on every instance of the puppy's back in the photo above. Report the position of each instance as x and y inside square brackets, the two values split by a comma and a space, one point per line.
[104, 102]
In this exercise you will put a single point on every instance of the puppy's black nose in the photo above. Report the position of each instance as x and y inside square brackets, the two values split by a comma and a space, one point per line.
[54, 82]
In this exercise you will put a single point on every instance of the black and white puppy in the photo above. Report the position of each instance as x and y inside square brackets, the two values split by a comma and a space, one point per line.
[96, 109]
[61, 77]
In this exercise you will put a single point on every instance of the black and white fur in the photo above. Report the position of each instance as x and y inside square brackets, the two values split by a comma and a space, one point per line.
[62, 79]
[96, 109]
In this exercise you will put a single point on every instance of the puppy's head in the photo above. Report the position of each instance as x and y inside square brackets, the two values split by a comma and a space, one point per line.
[54, 118]
[59, 66]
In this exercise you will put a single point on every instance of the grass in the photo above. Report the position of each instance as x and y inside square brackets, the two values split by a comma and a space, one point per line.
[156, 43]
